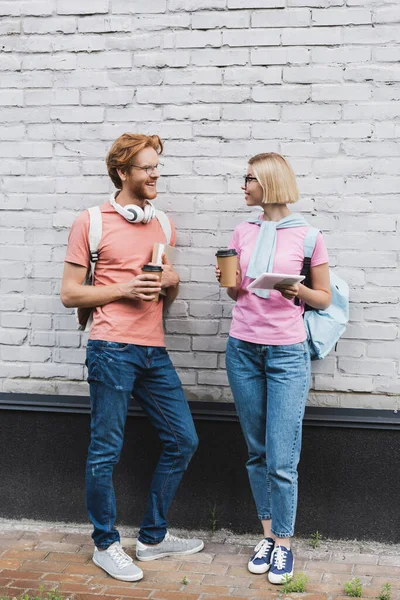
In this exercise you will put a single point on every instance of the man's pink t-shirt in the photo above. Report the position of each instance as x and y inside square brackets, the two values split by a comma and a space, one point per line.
[124, 248]
[271, 321]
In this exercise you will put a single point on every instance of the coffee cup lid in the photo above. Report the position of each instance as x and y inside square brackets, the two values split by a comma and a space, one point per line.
[227, 252]
[152, 268]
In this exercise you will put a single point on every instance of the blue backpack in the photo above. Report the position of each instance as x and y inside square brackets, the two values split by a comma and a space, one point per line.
[324, 327]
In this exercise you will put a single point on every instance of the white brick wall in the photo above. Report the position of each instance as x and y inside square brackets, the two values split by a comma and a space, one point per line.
[219, 80]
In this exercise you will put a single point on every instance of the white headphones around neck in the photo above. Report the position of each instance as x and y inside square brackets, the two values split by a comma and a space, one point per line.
[133, 213]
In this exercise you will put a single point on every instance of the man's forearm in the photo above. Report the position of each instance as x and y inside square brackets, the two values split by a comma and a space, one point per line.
[88, 296]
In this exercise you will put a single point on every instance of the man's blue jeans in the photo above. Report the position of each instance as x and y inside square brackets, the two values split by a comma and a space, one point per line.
[115, 370]
[270, 386]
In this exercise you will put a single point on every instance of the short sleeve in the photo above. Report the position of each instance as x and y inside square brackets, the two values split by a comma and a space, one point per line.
[320, 254]
[234, 243]
[173, 234]
[78, 251]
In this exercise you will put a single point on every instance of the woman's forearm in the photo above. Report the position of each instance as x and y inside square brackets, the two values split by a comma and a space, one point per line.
[319, 299]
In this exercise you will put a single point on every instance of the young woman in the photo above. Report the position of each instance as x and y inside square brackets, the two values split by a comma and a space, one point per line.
[267, 355]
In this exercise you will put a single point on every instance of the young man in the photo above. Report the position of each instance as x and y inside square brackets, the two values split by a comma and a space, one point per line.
[126, 353]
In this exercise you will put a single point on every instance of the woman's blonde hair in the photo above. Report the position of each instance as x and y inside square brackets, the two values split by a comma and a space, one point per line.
[123, 151]
[276, 178]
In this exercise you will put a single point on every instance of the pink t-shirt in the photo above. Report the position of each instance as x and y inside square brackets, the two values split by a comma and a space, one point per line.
[271, 321]
[124, 248]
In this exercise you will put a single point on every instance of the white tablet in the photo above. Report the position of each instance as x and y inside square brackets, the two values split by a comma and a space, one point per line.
[267, 281]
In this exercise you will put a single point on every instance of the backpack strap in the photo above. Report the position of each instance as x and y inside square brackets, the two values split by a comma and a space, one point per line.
[309, 246]
[165, 224]
[95, 233]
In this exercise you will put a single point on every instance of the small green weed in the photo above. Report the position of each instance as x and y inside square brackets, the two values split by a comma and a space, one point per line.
[213, 518]
[353, 588]
[386, 593]
[297, 584]
[315, 539]
[184, 580]
[52, 595]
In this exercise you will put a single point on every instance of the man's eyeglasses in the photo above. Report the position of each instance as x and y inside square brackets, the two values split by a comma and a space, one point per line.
[248, 178]
[150, 168]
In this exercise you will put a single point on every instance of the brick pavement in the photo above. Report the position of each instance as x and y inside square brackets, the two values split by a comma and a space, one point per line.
[49, 556]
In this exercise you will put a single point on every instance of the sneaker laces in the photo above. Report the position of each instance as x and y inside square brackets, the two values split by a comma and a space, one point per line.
[262, 549]
[119, 556]
[174, 538]
[279, 558]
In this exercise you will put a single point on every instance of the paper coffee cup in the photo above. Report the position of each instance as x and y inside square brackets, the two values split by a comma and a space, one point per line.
[228, 264]
[154, 270]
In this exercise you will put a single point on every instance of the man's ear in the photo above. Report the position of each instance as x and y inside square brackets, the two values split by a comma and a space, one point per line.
[122, 175]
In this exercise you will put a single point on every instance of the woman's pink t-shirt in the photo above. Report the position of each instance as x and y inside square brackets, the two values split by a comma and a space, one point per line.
[271, 321]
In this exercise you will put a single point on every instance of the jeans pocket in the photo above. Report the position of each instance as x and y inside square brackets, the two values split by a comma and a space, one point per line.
[114, 346]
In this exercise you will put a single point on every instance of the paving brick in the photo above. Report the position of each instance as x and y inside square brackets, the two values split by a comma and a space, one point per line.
[51, 546]
[127, 593]
[158, 565]
[63, 578]
[210, 569]
[215, 548]
[255, 594]
[90, 596]
[10, 592]
[261, 583]
[21, 544]
[21, 574]
[201, 557]
[77, 569]
[50, 536]
[32, 584]
[336, 578]
[231, 559]
[80, 588]
[355, 559]
[206, 589]
[239, 571]
[24, 554]
[227, 580]
[45, 566]
[174, 577]
[152, 584]
[77, 538]
[174, 596]
[394, 581]
[331, 567]
[238, 597]
[10, 564]
[393, 561]
[11, 535]
[378, 570]
[69, 557]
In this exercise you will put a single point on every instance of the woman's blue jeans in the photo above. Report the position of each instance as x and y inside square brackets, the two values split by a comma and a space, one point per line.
[270, 386]
[114, 371]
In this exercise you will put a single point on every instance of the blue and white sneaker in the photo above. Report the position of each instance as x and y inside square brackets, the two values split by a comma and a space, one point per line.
[260, 562]
[282, 565]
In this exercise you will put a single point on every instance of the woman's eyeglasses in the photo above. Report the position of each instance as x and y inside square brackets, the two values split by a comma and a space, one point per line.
[248, 178]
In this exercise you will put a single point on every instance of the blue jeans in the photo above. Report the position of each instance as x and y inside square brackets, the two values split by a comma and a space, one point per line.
[115, 370]
[270, 386]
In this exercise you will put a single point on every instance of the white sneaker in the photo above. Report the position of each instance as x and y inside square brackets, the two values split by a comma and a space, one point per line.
[117, 563]
[170, 546]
